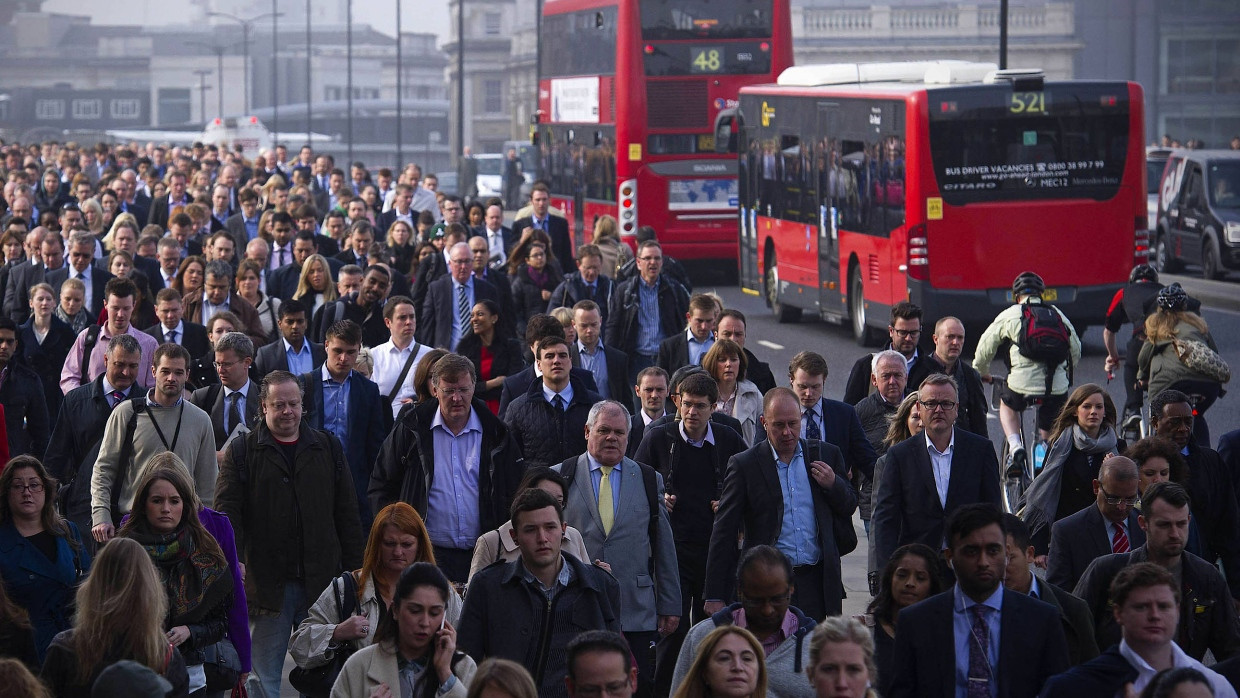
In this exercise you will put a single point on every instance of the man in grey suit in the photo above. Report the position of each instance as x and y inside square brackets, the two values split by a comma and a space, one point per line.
[614, 513]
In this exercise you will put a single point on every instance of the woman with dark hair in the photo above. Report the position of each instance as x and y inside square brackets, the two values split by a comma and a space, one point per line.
[121, 608]
[495, 352]
[1158, 460]
[1179, 682]
[248, 279]
[497, 545]
[41, 554]
[911, 575]
[422, 376]
[1080, 438]
[729, 663]
[398, 538]
[532, 283]
[48, 193]
[45, 341]
[197, 577]
[726, 362]
[424, 250]
[191, 276]
[502, 678]
[414, 651]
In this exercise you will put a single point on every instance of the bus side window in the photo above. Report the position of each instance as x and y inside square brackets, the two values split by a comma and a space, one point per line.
[790, 192]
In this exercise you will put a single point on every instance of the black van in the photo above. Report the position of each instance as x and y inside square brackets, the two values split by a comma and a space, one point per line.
[1199, 212]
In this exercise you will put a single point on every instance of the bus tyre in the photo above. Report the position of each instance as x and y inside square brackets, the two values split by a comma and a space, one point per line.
[864, 335]
[1162, 256]
[1210, 269]
[783, 313]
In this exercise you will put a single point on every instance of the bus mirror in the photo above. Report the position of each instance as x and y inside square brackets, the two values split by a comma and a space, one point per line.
[570, 136]
[535, 137]
[598, 138]
[725, 131]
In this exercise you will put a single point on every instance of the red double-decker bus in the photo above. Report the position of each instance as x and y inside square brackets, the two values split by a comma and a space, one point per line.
[863, 185]
[628, 93]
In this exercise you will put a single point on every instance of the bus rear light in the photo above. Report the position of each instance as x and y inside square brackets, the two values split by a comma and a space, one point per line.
[1141, 242]
[918, 254]
[628, 205]
[649, 49]
[764, 46]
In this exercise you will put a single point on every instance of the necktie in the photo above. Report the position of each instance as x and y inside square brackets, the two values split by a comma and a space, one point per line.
[281, 260]
[590, 291]
[234, 412]
[81, 275]
[172, 336]
[462, 306]
[558, 402]
[116, 396]
[811, 426]
[606, 507]
[979, 655]
[1119, 542]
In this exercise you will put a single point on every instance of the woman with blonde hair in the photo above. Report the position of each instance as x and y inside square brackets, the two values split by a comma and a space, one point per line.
[398, 538]
[123, 220]
[615, 252]
[18, 681]
[44, 341]
[92, 213]
[1174, 327]
[121, 609]
[729, 662]
[199, 580]
[401, 247]
[501, 678]
[314, 286]
[274, 193]
[841, 659]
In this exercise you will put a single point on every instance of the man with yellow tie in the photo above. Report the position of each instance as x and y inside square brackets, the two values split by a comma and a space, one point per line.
[616, 504]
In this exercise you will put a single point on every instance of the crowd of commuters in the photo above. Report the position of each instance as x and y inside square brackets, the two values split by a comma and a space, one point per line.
[424, 454]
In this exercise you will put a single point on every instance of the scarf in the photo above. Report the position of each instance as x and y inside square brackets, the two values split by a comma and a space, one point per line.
[194, 581]
[1042, 499]
[539, 277]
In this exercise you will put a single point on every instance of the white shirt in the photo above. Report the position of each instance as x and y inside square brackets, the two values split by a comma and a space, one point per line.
[389, 361]
[86, 275]
[495, 241]
[647, 419]
[179, 329]
[1145, 672]
[941, 465]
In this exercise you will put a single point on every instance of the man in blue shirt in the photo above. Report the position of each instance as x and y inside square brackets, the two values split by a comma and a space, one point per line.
[645, 310]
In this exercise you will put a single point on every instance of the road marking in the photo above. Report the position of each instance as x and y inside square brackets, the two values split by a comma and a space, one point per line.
[771, 345]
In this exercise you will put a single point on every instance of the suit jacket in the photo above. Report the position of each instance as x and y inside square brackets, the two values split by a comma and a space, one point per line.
[1077, 623]
[235, 225]
[253, 324]
[1031, 648]
[859, 377]
[627, 547]
[159, 212]
[907, 508]
[754, 500]
[617, 374]
[518, 384]
[17, 289]
[842, 427]
[366, 429]
[25, 412]
[557, 230]
[282, 283]
[388, 217]
[273, 358]
[150, 268]
[348, 257]
[211, 400]
[1078, 540]
[429, 269]
[194, 338]
[637, 429]
[98, 280]
[673, 352]
[439, 308]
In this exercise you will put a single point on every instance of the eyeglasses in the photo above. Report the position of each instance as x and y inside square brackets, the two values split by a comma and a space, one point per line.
[905, 334]
[453, 392]
[225, 364]
[755, 602]
[936, 405]
[33, 487]
[1117, 501]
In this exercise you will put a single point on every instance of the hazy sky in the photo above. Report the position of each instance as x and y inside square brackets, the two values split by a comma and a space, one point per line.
[418, 15]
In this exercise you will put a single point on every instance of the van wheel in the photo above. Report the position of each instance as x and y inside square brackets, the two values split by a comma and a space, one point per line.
[863, 334]
[1162, 257]
[783, 313]
[1210, 268]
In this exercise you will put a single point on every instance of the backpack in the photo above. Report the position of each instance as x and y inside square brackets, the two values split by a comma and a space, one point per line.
[1044, 338]
[568, 470]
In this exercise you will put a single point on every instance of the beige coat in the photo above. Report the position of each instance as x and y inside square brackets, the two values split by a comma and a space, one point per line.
[377, 664]
[311, 644]
[497, 545]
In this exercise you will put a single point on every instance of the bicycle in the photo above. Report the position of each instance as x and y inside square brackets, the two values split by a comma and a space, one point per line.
[1016, 481]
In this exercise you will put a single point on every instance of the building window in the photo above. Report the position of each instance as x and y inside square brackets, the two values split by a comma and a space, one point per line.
[494, 23]
[87, 108]
[1201, 65]
[49, 109]
[174, 105]
[125, 108]
[492, 96]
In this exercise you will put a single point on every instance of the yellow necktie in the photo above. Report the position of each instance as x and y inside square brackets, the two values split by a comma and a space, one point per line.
[606, 507]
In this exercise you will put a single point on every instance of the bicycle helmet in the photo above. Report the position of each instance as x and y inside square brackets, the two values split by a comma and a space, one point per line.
[1173, 297]
[1143, 272]
[1028, 284]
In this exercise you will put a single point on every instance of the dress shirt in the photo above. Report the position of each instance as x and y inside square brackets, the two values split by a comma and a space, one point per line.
[566, 394]
[108, 389]
[243, 392]
[96, 362]
[649, 325]
[562, 580]
[85, 277]
[495, 245]
[1035, 589]
[698, 349]
[1110, 525]
[452, 503]
[596, 363]
[787, 629]
[707, 438]
[647, 419]
[336, 405]
[274, 262]
[209, 310]
[814, 413]
[299, 362]
[251, 227]
[457, 328]
[908, 363]
[798, 535]
[962, 629]
[389, 361]
[180, 333]
[168, 278]
[941, 466]
[596, 478]
[1145, 672]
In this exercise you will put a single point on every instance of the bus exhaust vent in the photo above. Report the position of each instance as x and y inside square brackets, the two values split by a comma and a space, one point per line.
[929, 72]
[677, 104]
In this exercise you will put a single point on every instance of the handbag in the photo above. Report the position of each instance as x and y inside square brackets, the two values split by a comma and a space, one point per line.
[317, 682]
[222, 665]
[1200, 358]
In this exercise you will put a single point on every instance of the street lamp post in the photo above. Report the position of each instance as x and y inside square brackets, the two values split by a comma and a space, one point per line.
[218, 50]
[309, 88]
[245, 40]
[400, 87]
[349, 78]
[202, 93]
[275, 70]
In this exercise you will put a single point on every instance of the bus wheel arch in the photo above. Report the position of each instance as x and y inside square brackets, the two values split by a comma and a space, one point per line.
[770, 280]
[863, 333]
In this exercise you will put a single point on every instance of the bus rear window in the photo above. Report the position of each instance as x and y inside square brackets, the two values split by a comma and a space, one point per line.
[695, 19]
[991, 143]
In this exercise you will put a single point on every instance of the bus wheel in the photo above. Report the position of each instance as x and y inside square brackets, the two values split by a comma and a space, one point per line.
[864, 335]
[783, 313]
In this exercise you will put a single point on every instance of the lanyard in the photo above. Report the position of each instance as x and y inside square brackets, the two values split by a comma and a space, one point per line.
[175, 435]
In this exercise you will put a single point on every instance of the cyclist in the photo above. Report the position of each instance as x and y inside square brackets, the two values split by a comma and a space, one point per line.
[1028, 377]
[1132, 303]
[1159, 366]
